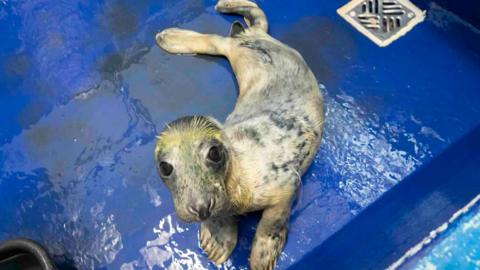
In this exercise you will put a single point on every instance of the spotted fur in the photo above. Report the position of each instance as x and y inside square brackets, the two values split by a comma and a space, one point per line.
[267, 142]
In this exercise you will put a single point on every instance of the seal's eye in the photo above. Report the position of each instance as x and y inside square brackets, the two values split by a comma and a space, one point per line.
[165, 169]
[214, 154]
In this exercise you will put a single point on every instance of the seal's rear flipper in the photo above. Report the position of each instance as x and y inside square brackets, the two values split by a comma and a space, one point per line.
[253, 15]
[236, 29]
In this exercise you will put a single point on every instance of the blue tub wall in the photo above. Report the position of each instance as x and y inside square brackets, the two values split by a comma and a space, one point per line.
[457, 248]
[467, 10]
[85, 90]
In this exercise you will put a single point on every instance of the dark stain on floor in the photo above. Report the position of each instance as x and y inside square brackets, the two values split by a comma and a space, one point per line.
[32, 113]
[110, 64]
[18, 65]
[121, 19]
[117, 61]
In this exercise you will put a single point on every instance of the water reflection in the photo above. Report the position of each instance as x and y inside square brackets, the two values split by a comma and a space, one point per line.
[360, 148]
[164, 251]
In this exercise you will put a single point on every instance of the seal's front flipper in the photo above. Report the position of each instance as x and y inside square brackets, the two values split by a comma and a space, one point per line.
[218, 237]
[270, 237]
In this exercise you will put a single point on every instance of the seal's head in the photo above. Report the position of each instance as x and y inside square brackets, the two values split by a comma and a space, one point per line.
[192, 158]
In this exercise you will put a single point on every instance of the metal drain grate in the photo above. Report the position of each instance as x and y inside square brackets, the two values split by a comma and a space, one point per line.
[383, 21]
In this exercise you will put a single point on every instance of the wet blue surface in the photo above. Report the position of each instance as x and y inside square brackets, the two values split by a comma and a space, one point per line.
[84, 91]
[457, 248]
[406, 214]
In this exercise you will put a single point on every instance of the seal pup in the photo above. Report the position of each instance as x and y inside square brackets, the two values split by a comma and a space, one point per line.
[254, 161]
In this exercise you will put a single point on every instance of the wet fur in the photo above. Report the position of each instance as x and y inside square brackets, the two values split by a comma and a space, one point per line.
[271, 136]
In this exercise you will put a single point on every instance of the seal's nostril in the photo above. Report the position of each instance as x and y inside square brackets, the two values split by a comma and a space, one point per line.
[204, 213]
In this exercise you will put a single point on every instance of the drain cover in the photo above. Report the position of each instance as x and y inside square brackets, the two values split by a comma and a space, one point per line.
[383, 21]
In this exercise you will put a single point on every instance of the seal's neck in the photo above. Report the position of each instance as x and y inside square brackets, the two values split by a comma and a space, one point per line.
[240, 195]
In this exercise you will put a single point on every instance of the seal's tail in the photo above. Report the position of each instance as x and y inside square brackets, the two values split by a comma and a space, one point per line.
[253, 15]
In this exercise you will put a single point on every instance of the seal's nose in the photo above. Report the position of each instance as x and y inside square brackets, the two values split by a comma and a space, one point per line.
[202, 209]
[203, 213]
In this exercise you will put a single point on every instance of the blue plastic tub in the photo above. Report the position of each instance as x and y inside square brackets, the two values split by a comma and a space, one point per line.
[84, 90]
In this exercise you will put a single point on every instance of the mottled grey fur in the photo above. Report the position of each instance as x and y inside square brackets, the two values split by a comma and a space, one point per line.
[269, 140]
